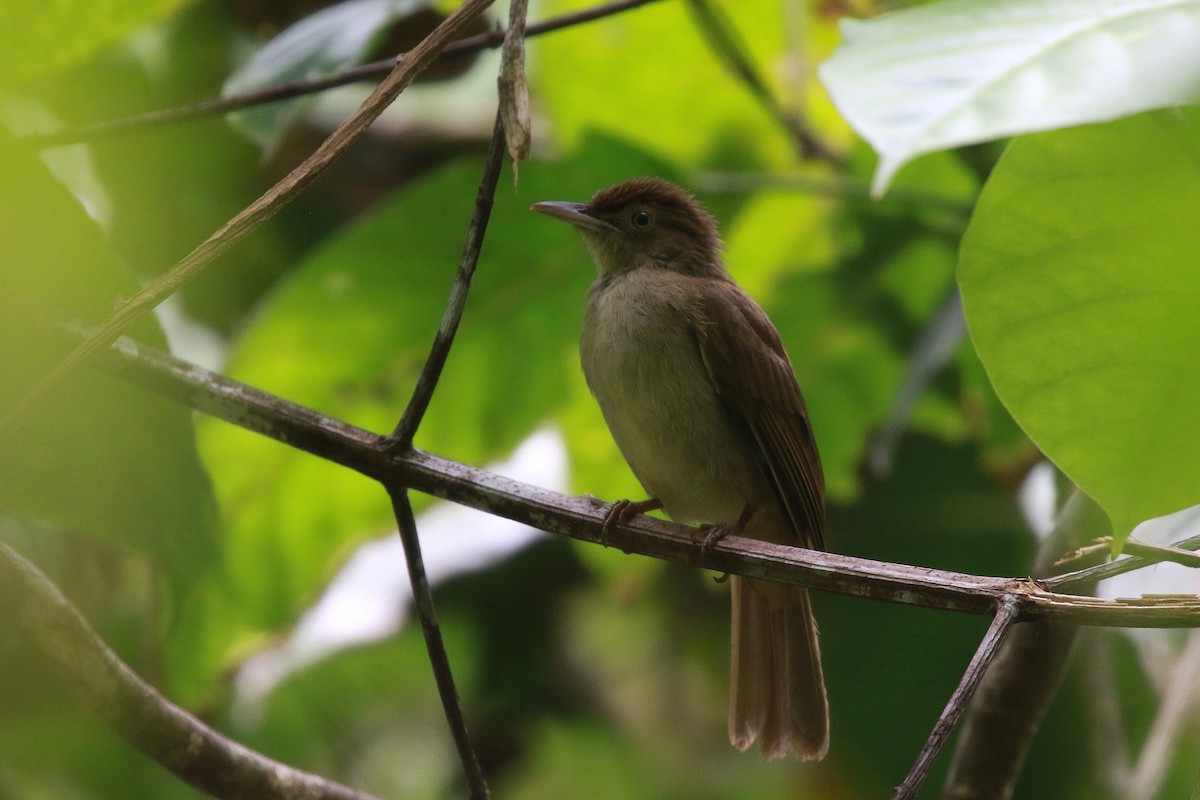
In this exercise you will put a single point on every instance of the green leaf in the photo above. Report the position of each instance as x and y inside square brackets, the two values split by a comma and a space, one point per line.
[953, 73]
[333, 38]
[847, 370]
[1080, 278]
[648, 76]
[100, 456]
[43, 37]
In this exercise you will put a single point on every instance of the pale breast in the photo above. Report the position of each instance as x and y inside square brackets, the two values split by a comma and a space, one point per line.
[642, 362]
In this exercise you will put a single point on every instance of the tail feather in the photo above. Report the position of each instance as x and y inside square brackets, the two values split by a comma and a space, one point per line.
[777, 689]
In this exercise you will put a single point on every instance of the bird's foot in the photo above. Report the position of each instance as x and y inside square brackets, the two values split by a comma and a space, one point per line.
[622, 511]
[715, 532]
[712, 534]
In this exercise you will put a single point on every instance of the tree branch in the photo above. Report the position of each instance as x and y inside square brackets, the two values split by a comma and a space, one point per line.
[443, 675]
[287, 91]
[583, 518]
[258, 212]
[1007, 614]
[1003, 720]
[164, 732]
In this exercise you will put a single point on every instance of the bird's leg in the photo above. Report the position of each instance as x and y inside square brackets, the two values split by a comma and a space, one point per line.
[622, 511]
[715, 532]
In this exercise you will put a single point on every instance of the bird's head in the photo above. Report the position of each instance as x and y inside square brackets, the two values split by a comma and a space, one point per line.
[644, 223]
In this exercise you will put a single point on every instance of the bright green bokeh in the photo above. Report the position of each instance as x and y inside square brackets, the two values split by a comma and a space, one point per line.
[648, 76]
[42, 37]
[100, 457]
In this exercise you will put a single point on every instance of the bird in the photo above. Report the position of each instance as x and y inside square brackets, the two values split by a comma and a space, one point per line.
[697, 389]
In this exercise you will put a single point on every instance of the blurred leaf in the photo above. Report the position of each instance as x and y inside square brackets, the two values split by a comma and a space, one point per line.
[369, 716]
[778, 231]
[963, 71]
[519, 672]
[845, 365]
[69, 755]
[43, 37]
[849, 373]
[206, 170]
[1079, 276]
[623, 75]
[938, 343]
[100, 456]
[583, 761]
[333, 38]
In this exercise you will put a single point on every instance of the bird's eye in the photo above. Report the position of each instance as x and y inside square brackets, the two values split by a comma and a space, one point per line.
[641, 219]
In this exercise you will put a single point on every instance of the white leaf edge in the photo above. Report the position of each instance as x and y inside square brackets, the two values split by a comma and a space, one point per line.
[965, 71]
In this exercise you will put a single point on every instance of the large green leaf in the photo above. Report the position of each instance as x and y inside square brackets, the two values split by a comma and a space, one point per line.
[951, 73]
[100, 457]
[41, 37]
[1080, 276]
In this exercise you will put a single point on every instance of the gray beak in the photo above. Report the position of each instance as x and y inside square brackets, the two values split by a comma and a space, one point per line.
[574, 213]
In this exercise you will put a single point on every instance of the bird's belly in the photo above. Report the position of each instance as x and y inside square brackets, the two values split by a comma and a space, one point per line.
[679, 465]
[646, 374]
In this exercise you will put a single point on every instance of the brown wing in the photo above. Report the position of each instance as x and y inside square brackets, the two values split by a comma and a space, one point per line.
[749, 367]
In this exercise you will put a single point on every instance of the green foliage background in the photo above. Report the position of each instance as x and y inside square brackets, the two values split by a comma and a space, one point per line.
[193, 545]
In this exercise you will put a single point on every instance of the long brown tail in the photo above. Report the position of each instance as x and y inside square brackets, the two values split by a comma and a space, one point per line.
[777, 690]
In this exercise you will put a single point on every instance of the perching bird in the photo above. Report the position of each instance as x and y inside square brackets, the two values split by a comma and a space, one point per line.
[697, 389]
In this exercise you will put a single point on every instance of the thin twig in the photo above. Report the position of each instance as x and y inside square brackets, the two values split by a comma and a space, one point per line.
[722, 36]
[442, 674]
[195, 753]
[1088, 555]
[1007, 613]
[1133, 547]
[1114, 568]
[258, 212]
[584, 518]
[402, 436]
[292, 89]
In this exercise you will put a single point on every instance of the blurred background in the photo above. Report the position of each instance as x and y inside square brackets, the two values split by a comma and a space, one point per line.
[264, 589]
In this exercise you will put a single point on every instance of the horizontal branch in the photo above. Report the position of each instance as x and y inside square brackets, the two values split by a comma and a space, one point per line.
[166, 733]
[582, 518]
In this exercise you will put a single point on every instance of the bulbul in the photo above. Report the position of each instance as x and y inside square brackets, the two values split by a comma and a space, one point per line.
[698, 392]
